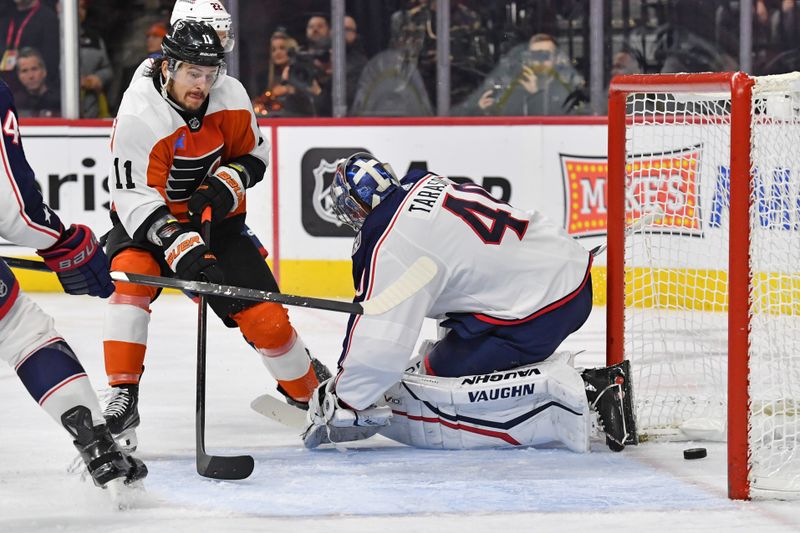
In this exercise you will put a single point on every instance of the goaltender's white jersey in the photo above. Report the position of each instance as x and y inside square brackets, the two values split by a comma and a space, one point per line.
[497, 263]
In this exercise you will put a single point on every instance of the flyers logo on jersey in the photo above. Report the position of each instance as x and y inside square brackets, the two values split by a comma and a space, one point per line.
[187, 173]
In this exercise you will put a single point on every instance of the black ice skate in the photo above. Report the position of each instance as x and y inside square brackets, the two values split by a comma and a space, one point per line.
[104, 459]
[322, 373]
[610, 393]
[122, 415]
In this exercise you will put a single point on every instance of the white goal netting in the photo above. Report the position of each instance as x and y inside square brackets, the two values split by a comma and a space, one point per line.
[676, 271]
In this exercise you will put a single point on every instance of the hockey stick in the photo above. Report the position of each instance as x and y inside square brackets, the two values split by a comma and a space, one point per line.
[209, 289]
[212, 466]
[279, 411]
[419, 274]
[633, 228]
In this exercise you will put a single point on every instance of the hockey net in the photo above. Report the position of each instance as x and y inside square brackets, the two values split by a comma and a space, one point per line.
[705, 300]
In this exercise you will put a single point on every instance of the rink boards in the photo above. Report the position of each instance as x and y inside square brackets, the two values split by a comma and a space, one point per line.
[555, 165]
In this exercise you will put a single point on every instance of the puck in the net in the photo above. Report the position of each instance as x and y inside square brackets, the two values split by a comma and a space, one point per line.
[694, 453]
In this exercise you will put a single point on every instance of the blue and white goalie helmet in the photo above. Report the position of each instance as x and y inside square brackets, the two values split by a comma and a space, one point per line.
[360, 184]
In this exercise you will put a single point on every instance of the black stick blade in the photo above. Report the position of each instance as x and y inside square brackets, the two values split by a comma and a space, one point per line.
[223, 467]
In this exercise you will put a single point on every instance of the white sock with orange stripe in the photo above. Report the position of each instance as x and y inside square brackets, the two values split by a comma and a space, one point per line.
[125, 337]
[290, 365]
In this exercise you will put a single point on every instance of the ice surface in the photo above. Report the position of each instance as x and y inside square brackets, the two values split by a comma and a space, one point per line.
[380, 486]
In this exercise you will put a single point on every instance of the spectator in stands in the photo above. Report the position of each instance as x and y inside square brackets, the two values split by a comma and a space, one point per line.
[532, 79]
[783, 22]
[390, 84]
[318, 33]
[309, 72]
[470, 56]
[356, 57]
[35, 98]
[627, 61]
[273, 99]
[30, 24]
[127, 49]
[154, 37]
[95, 69]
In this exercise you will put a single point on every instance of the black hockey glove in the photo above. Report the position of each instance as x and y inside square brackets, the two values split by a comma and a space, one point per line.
[223, 191]
[186, 253]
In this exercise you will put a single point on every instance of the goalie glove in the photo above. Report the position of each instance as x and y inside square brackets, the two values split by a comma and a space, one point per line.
[329, 421]
[223, 191]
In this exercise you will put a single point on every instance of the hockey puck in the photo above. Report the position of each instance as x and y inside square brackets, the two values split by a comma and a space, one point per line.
[694, 453]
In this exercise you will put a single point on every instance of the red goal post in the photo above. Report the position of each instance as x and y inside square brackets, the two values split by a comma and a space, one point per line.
[697, 300]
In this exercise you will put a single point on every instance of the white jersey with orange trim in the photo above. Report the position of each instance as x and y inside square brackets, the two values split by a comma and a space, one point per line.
[497, 264]
[158, 159]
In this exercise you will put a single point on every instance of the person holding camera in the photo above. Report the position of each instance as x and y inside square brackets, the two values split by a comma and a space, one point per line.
[533, 79]
[307, 76]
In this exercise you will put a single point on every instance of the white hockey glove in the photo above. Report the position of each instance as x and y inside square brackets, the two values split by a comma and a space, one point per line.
[329, 422]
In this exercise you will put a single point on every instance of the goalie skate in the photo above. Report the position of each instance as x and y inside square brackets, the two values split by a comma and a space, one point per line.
[122, 416]
[610, 393]
[103, 458]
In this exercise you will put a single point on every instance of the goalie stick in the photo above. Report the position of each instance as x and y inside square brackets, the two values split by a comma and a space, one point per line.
[280, 411]
[633, 228]
[211, 466]
[417, 276]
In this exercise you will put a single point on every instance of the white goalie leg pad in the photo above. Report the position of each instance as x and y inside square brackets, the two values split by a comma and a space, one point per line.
[528, 406]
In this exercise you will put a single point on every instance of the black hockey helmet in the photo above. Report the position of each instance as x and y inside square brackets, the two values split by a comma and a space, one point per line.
[193, 42]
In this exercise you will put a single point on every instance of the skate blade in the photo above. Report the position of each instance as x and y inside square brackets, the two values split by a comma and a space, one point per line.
[126, 495]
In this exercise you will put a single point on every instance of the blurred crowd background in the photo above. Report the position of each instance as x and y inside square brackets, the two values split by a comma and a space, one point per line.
[507, 57]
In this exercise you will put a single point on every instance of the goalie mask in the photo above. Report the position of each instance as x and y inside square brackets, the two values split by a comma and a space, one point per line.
[212, 13]
[360, 184]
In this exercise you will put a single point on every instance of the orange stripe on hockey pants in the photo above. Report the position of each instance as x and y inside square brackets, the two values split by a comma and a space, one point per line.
[127, 318]
[266, 326]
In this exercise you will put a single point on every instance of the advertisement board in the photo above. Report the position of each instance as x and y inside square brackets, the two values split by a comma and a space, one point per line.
[558, 169]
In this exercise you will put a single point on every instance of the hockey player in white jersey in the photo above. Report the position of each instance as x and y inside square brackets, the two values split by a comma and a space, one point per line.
[510, 287]
[182, 143]
[42, 359]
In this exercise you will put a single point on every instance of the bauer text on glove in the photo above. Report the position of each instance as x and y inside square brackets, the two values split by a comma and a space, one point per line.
[223, 191]
[185, 252]
[79, 262]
